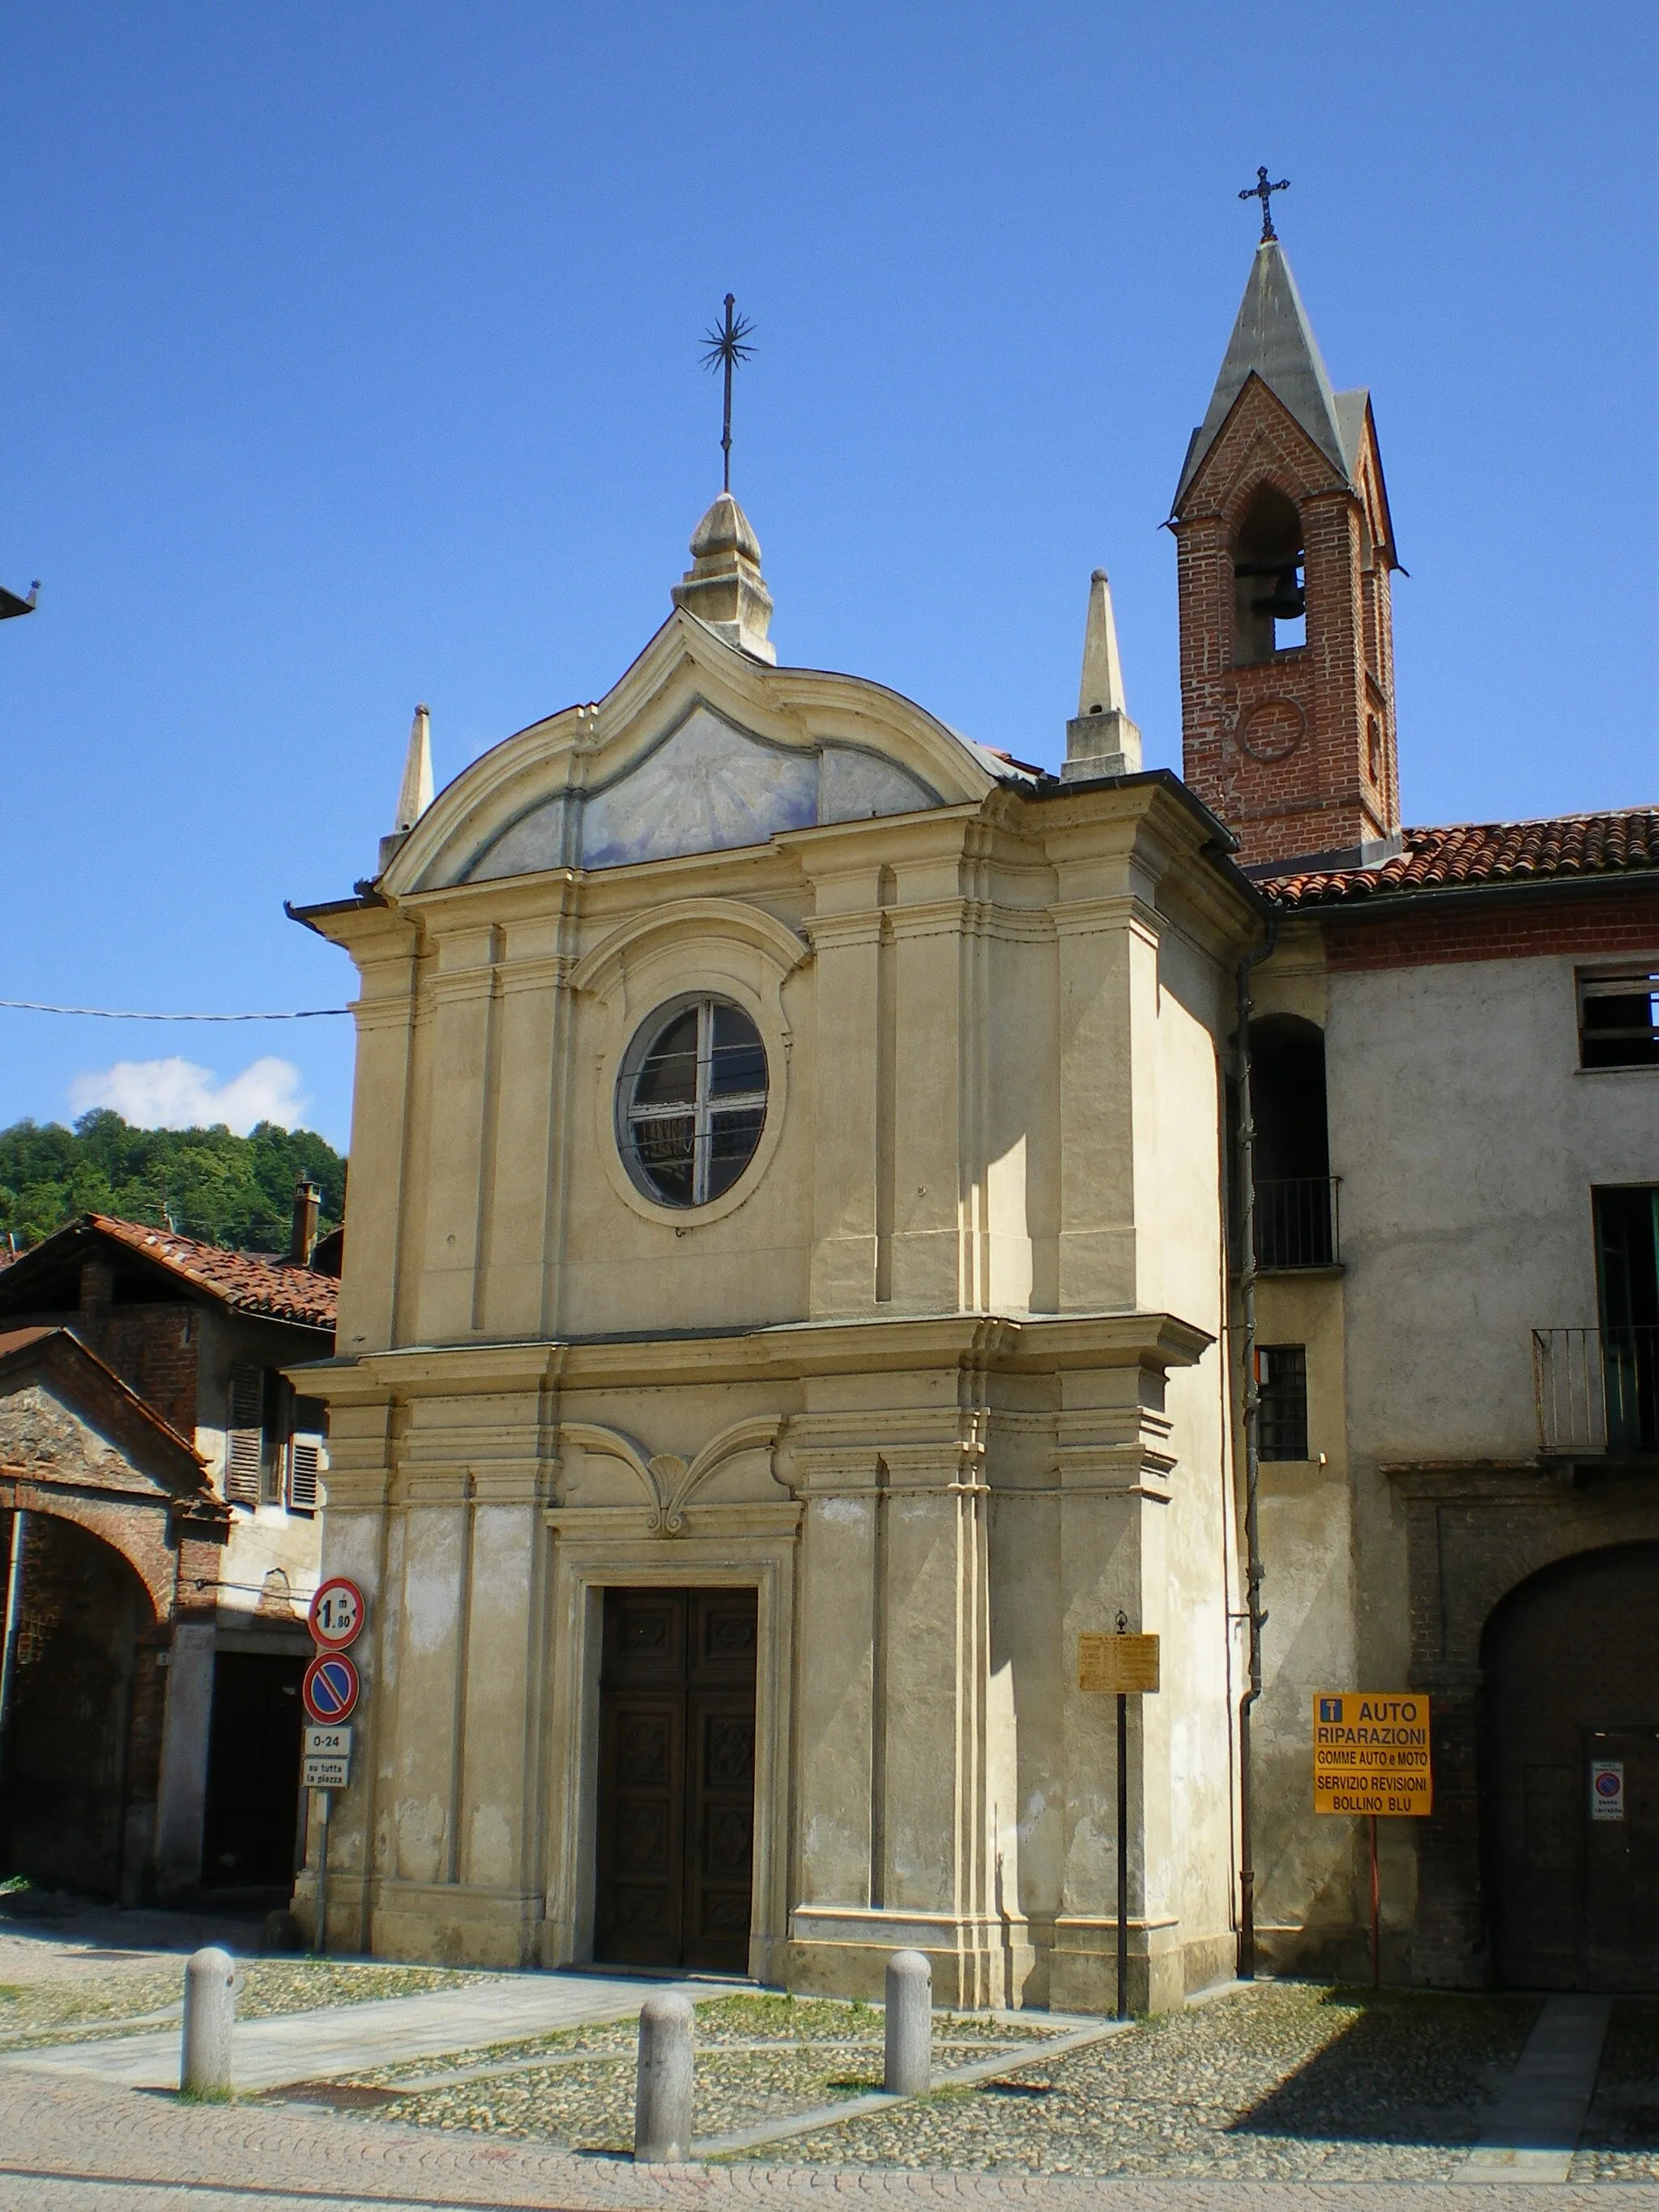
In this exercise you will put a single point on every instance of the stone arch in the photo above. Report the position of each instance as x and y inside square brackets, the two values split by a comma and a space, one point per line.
[136, 1529]
[1570, 1667]
[1476, 1535]
[84, 1739]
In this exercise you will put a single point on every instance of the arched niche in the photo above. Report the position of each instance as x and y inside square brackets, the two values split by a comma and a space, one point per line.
[1269, 578]
[85, 1702]
[1295, 1218]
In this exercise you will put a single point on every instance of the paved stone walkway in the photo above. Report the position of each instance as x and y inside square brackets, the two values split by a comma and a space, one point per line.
[322, 2044]
[1532, 2132]
[76, 2146]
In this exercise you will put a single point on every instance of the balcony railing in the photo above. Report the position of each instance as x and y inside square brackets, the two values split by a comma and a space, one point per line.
[1296, 1223]
[1597, 1391]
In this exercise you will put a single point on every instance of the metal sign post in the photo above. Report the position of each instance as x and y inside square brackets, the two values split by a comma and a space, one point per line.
[1371, 1755]
[1125, 1667]
[330, 1692]
[322, 1870]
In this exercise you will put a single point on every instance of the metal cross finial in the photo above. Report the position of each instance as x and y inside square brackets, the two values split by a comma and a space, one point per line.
[724, 348]
[1258, 191]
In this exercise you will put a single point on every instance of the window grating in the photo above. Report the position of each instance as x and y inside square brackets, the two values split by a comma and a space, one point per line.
[1618, 1018]
[694, 1103]
[1281, 1374]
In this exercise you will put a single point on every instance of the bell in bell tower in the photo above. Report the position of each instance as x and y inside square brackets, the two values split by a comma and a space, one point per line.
[1286, 557]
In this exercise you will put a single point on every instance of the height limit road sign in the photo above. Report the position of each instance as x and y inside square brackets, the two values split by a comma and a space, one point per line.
[1371, 1752]
[337, 1613]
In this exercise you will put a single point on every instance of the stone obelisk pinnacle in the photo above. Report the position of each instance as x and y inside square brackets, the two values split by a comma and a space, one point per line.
[1100, 739]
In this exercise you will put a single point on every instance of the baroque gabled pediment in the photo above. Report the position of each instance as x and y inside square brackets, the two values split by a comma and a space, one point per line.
[699, 747]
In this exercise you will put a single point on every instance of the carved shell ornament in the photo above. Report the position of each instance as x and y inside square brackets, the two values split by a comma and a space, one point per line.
[668, 1471]
[669, 1481]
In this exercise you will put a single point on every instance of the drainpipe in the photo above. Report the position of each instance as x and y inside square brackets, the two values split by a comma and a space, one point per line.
[1254, 1613]
[13, 1624]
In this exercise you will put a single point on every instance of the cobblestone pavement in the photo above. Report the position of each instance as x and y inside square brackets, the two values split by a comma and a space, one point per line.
[1621, 2137]
[1282, 2081]
[758, 2057]
[70, 1971]
[126, 2002]
[74, 2146]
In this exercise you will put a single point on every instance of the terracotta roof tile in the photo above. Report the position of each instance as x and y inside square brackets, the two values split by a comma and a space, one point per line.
[1473, 855]
[243, 1279]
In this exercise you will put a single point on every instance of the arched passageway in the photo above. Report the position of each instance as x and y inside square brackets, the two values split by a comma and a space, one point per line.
[1571, 1796]
[83, 1729]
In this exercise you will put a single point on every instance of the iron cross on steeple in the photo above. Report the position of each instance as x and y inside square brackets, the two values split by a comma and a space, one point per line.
[1259, 191]
[725, 347]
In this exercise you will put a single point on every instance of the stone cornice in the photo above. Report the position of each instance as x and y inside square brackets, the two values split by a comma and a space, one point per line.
[994, 1343]
[1485, 1482]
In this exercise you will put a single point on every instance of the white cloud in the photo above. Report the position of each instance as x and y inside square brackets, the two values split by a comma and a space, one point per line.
[176, 1094]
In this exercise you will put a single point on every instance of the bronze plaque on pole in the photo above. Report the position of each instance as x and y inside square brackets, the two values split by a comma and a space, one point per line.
[1124, 1666]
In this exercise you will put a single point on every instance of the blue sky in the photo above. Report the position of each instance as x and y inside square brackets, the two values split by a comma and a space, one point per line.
[349, 358]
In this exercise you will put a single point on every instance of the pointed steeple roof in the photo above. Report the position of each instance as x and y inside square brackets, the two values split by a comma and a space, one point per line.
[1274, 338]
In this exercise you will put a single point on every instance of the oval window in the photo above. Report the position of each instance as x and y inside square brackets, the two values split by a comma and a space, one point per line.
[691, 1101]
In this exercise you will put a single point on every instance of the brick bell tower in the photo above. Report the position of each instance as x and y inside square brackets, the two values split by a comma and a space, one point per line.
[1285, 554]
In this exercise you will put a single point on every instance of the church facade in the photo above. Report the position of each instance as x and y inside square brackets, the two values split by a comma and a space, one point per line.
[838, 1217]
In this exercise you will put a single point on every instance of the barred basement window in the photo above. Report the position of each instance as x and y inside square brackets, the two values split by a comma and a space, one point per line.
[1618, 1018]
[245, 1436]
[1281, 1374]
[691, 1101]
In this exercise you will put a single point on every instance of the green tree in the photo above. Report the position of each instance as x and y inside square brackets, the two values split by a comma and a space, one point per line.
[207, 1184]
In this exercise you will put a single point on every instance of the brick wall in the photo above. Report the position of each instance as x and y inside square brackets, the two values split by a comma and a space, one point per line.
[152, 1347]
[1488, 925]
[1297, 753]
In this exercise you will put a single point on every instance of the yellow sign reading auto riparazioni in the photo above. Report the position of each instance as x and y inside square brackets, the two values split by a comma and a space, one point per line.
[1371, 1752]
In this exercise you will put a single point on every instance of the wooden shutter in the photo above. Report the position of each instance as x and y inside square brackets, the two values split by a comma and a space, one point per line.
[304, 1454]
[245, 1436]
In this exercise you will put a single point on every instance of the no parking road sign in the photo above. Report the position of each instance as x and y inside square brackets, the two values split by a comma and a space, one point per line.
[330, 1687]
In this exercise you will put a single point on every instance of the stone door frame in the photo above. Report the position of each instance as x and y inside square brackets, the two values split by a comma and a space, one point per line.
[1475, 1532]
[755, 1550]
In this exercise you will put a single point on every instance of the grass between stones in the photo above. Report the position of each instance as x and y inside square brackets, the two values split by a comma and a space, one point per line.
[1282, 2081]
[758, 2057]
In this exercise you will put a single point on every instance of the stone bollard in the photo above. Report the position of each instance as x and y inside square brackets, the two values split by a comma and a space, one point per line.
[909, 2025]
[662, 2090]
[210, 2014]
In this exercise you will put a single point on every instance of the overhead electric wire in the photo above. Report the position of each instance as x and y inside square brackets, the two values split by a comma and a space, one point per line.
[114, 1014]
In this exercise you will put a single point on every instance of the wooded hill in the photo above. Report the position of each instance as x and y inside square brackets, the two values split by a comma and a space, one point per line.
[207, 1184]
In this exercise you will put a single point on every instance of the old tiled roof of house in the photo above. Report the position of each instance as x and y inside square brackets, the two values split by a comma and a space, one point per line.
[1476, 855]
[244, 1280]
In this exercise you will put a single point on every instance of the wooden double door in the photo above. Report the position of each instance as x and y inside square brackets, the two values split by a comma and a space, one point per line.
[1571, 1784]
[677, 1779]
